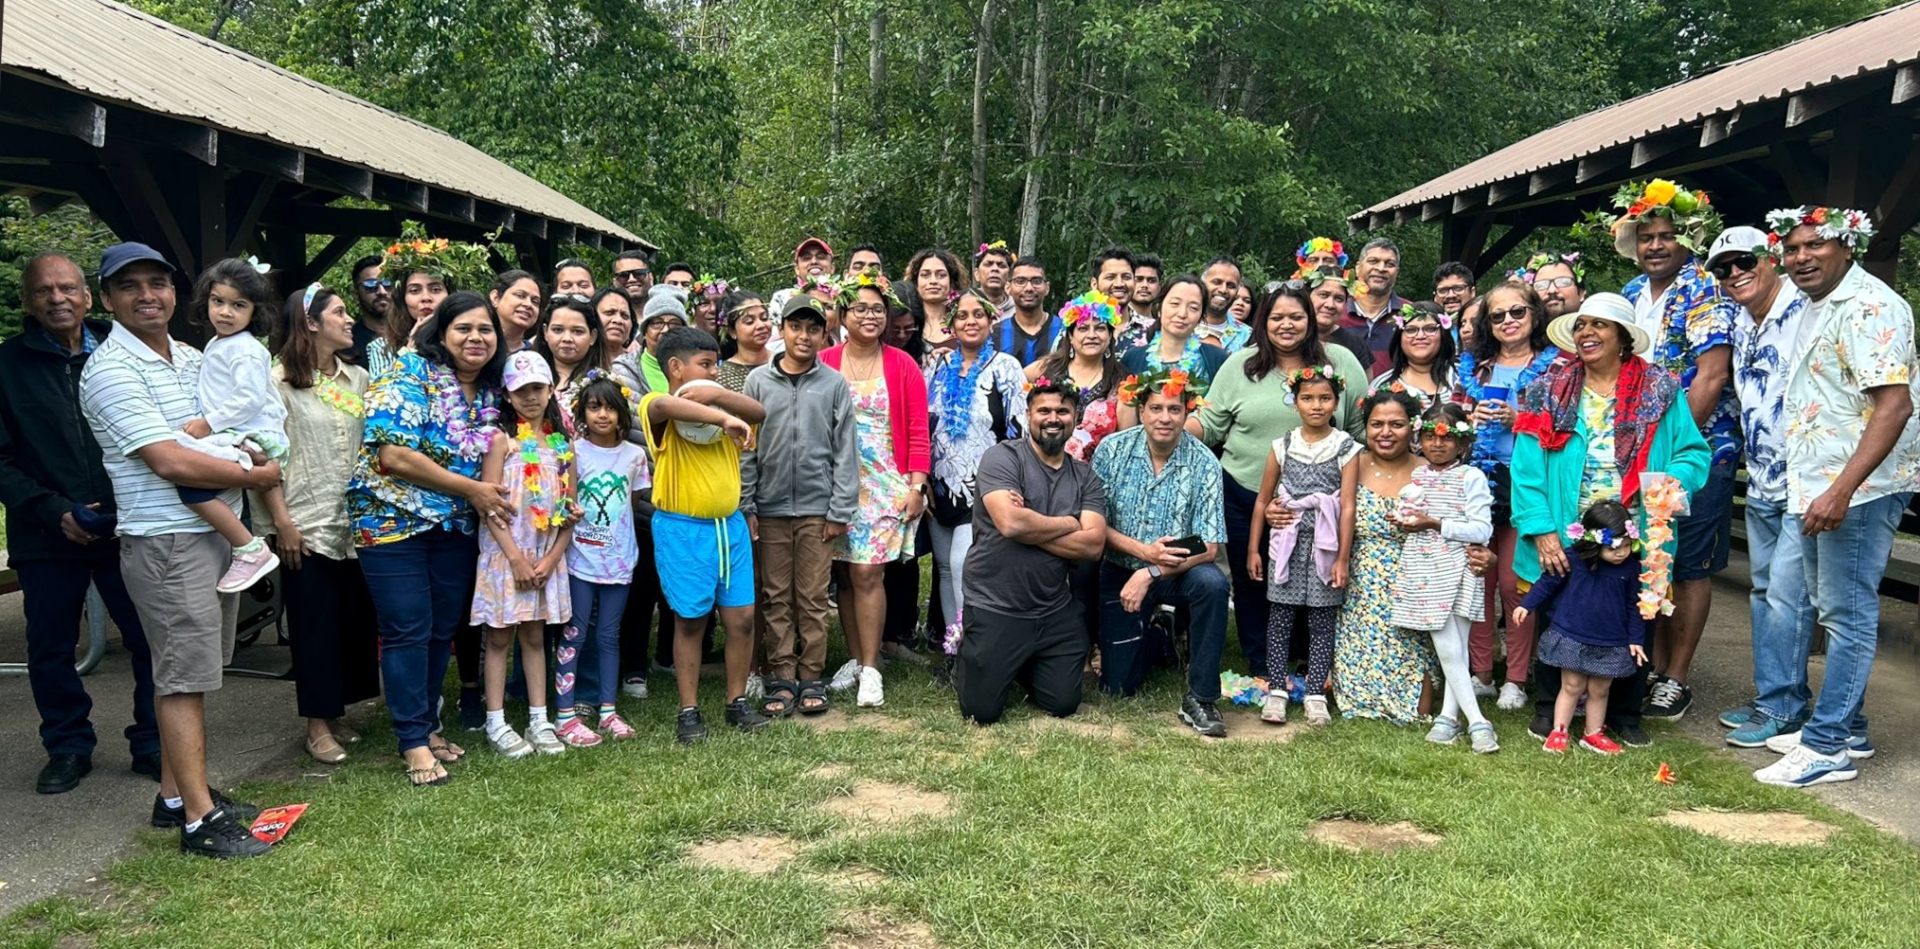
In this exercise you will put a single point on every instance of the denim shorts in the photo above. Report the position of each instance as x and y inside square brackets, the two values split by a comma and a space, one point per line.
[1706, 534]
[703, 562]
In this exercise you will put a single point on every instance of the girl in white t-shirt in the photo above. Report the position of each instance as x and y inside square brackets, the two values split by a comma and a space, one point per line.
[603, 556]
[240, 404]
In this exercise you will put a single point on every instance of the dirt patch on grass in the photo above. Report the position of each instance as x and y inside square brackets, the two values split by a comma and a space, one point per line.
[1083, 727]
[837, 720]
[830, 772]
[878, 804]
[869, 929]
[756, 855]
[1359, 836]
[851, 878]
[1771, 827]
[1248, 729]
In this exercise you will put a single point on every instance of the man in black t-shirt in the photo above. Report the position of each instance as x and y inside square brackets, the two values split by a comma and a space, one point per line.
[1037, 510]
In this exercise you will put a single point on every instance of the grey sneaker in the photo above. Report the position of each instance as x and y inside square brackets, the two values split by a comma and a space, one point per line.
[1202, 717]
[543, 739]
[1484, 742]
[1445, 731]
[509, 743]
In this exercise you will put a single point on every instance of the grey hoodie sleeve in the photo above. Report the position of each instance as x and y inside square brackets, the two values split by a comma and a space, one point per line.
[750, 456]
[845, 497]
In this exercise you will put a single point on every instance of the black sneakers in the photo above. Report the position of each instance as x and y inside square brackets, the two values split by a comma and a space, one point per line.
[222, 835]
[1633, 736]
[689, 728]
[1202, 717]
[1668, 699]
[147, 764]
[63, 773]
[1541, 726]
[164, 816]
[744, 716]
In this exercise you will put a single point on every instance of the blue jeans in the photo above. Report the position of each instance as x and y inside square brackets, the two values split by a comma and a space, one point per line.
[597, 610]
[1843, 568]
[52, 594]
[422, 591]
[1782, 613]
[1123, 654]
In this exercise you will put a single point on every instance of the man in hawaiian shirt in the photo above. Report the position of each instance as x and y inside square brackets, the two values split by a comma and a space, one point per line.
[1853, 462]
[1678, 303]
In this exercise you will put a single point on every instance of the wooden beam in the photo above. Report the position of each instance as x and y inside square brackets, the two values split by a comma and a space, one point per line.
[1400, 216]
[1802, 173]
[398, 192]
[450, 204]
[1906, 84]
[1504, 246]
[1901, 199]
[561, 233]
[1505, 190]
[489, 214]
[241, 231]
[267, 158]
[1432, 210]
[210, 206]
[330, 255]
[45, 202]
[1547, 178]
[1599, 163]
[41, 106]
[1475, 241]
[1847, 169]
[1468, 200]
[343, 177]
[534, 225]
[140, 191]
[1813, 103]
[147, 128]
[1376, 221]
[1661, 144]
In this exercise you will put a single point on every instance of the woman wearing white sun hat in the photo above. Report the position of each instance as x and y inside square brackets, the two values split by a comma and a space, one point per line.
[1587, 431]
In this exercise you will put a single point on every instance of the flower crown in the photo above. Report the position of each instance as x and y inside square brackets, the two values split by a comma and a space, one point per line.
[595, 375]
[710, 287]
[825, 283]
[1091, 308]
[1170, 381]
[1849, 227]
[996, 246]
[1691, 212]
[1315, 276]
[466, 266]
[1410, 313]
[1319, 245]
[1310, 373]
[846, 291]
[1605, 538]
[1537, 262]
[1444, 428]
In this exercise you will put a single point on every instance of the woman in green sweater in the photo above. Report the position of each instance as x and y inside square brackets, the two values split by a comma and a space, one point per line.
[1248, 408]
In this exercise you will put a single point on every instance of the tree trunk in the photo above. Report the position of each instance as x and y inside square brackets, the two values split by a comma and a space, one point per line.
[1036, 133]
[877, 72]
[982, 70]
[838, 87]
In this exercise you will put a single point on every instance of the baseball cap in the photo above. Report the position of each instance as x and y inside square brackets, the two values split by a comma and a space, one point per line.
[525, 368]
[803, 245]
[804, 306]
[116, 258]
[1741, 240]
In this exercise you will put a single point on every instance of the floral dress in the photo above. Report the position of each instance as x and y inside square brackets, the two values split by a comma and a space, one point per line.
[877, 535]
[1378, 668]
[497, 601]
[1602, 480]
[1099, 417]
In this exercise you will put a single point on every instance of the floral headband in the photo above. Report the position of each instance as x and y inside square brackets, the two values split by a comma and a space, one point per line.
[848, 290]
[1444, 428]
[1090, 309]
[595, 375]
[1849, 227]
[1313, 277]
[457, 262]
[1605, 538]
[995, 247]
[1413, 314]
[1170, 381]
[1310, 373]
[1319, 245]
[1531, 269]
[821, 282]
[1691, 212]
[710, 287]
[306, 298]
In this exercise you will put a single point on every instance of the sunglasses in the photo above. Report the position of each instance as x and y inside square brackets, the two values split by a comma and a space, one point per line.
[1726, 266]
[1512, 314]
[631, 276]
[376, 284]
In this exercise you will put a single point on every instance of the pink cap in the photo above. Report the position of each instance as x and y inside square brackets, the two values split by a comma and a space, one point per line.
[809, 241]
[525, 368]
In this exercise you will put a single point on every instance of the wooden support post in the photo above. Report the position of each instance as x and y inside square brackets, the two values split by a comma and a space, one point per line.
[1802, 173]
[154, 220]
[1475, 241]
[1504, 246]
[211, 213]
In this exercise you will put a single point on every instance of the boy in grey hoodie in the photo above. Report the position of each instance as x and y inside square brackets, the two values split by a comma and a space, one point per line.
[799, 485]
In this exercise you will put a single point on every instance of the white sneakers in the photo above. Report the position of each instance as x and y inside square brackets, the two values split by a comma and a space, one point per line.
[871, 694]
[846, 677]
[1512, 697]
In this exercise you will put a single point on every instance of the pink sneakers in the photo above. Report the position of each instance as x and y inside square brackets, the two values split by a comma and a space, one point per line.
[247, 569]
[576, 733]
[616, 727]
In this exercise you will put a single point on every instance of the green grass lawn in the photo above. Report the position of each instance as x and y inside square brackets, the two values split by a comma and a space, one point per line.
[1127, 833]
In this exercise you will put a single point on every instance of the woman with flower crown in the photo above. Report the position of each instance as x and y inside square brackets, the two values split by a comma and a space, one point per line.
[416, 503]
[1084, 355]
[1423, 358]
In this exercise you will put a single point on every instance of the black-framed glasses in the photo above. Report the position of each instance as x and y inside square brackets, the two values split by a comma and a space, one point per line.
[631, 276]
[1725, 267]
[1027, 282]
[1453, 291]
[376, 284]
[1512, 314]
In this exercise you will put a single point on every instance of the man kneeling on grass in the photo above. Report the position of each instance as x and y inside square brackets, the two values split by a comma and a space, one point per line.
[1037, 509]
[1166, 524]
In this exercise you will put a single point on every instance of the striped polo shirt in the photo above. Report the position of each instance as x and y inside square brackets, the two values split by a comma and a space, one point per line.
[133, 397]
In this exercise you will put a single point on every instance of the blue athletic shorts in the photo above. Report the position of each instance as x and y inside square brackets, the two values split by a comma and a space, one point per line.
[703, 562]
[1706, 534]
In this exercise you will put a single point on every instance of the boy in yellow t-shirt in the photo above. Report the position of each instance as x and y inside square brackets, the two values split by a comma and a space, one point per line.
[702, 548]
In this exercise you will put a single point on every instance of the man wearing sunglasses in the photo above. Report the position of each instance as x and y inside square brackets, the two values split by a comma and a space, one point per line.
[373, 297]
[632, 274]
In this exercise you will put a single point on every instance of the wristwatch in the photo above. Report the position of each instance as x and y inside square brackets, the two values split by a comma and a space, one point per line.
[1153, 571]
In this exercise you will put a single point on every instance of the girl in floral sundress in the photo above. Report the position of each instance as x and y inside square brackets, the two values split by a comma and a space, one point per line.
[521, 586]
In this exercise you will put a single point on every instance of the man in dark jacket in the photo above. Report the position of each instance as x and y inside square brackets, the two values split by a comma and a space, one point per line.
[60, 536]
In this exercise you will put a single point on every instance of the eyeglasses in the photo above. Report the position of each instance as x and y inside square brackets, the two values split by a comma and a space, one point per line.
[1421, 329]
[1452, 291]
[567, 298]
[1512, 314]
[631, 276]
[1728, 265]
[867, 309]
[1028, 282]
[376, 284]
[1552, 283]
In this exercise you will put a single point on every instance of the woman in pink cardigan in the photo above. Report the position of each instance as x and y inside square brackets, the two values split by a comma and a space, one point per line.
[890, 409]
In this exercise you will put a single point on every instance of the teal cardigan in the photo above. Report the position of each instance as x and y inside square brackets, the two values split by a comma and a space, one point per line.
[1546, 484]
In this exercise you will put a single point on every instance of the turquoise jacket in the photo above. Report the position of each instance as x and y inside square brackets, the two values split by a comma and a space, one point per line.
[1546, 484]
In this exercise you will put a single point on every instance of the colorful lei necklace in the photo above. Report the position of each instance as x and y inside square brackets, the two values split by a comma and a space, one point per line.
[468, 441]
[1189, 356]
[331, 392]
[547, 510]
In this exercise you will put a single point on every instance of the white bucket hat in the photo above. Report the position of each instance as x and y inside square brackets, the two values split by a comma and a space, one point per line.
[1603, 306]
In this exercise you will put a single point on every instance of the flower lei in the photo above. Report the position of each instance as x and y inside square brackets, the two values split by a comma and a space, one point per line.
[1849, 227]
[1319, 245]
[338, 396]
[1189, 356]
[1298, 376]
[548, 512]
[455, 262]
[1412, 314]
[1604, 537]
[848, 290]
[1531, 269]
[954, 387]
[1172, 383]
[950, 644]
[1662, 498]
[710, 287]
[994, 247]
[1691, 212]
[468, 442]
[1089, 309]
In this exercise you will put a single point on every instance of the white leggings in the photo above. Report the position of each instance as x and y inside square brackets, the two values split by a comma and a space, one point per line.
[950, 546]
[1450, 643]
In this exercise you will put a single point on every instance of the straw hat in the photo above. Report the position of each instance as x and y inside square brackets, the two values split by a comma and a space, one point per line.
[1604, 306]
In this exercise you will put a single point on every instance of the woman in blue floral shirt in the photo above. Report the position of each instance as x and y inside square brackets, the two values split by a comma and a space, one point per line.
[414, 504]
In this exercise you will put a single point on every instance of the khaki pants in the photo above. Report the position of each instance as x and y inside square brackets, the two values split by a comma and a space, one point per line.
[795, 562]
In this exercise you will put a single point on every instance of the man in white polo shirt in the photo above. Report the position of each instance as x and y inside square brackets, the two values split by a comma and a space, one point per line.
[138, 389]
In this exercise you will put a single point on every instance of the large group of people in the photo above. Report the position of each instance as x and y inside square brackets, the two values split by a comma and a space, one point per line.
[530, 476]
